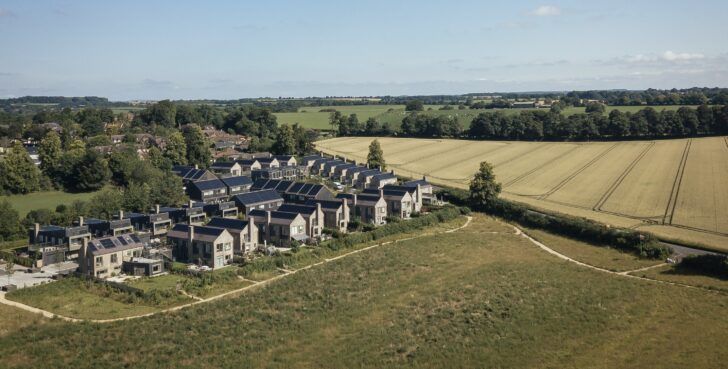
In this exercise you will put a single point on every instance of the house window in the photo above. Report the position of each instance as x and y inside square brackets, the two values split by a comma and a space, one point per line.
[228, 246]
[114, 258]
[99, 261]
[218, 247]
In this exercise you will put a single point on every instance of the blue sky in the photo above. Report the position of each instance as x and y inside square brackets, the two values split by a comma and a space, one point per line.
[232, 49]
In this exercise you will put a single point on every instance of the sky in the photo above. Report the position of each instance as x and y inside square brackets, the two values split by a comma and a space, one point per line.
[150, 50]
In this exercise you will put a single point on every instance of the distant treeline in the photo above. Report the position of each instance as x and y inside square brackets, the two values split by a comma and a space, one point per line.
[534, 125]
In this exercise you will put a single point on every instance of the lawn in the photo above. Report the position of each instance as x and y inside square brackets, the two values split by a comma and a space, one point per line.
[162, 282]
[75, 298]
[467, 299]
[598, 256]
[672, 273]
[45, 200]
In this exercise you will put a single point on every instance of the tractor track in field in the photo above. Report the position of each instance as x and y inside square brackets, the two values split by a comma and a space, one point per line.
[675, 191]
[451, 150]
[577, 172]
[618, 181]
[542, 166]
[481, 154]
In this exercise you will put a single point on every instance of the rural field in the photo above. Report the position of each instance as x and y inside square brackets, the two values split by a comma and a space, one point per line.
[312, 116]
[479, 297]
[673, 188]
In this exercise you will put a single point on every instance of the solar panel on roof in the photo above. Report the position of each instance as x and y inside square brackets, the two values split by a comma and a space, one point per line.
[107, 243]
[123, 241]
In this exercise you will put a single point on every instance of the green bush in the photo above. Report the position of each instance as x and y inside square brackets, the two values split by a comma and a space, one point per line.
[642, 244]
[710, 264]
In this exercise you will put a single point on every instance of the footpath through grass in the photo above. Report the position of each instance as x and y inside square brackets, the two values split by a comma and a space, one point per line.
[472, 298]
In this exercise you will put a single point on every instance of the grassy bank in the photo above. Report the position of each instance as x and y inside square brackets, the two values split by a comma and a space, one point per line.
[45, 200]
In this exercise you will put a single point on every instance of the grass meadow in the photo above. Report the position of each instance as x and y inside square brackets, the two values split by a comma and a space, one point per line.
[44, 200]
[480, 297]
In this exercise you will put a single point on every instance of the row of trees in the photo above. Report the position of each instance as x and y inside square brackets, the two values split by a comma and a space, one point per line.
[349, 125]
[537, 125]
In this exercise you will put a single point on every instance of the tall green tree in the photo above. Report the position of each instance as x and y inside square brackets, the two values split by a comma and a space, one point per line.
[285, 142]
[198, 150]
[375, 158]
[484, 189]
[176, 149]
[91, 173]
[372, 127]
[10, 227]
[415, 105]
[21, 175]
[49, 153]
[106, 203]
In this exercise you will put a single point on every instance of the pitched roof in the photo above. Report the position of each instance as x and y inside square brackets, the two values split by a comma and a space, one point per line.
[107, 245]
[266, 160]
[255, 197]
[228, 223]
[325, 204]
[209, 184]
[283, 157]
[298, 209]
[237, 181]
[246, 162]
[223, 164]
[201, 233]
[385, 176]
[387, 192]
[279, 216]
[416, 182]
[189, 173]
[360, 199]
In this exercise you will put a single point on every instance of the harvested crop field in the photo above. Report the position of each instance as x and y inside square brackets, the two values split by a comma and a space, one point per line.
[673, 188]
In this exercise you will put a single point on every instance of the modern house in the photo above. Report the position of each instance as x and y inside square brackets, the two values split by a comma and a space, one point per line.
[279, 228]
[286, 160]
[341, 170]
[380, 180]
[426, 188]
[237, 185]
[208, 191]
[298, 192]
[318, 165]
[201, 245]
[307, 161]
[244, 232]
[329, 167]
[399, 202]
[261, 200]
[115, 227]
[367, 208]
[191, 174]
[68, 239]
[363, 179]
[225, 209]
[226, 168]
[336, 213]
[414, 190]
[157, 224]
[351, 175]
[312, 214]
[248, 165]
[191, 214]
[103, 257]
[143, 267]
[269, 162]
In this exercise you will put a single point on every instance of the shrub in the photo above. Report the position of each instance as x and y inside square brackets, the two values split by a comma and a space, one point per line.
[710, 264]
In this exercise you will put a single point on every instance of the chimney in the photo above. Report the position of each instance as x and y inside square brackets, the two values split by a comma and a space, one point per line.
[196, 166]
[380, 168]
[354, 200]
[381, 192]
[36, 231]
[424, 178]
[251, 225]
[267, 218]
[156, 208]
[80, 221]
[191, 233]
[190, 204]
[121, 214]
[346, 205]
[318, 214]
[344, 159]
[84, 256]
[393, 172]
[419, 194]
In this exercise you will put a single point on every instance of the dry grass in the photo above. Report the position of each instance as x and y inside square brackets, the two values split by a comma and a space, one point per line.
[627, 184]
[458, 300]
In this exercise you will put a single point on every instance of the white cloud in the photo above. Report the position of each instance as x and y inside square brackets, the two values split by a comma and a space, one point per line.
[672, 56]
[546, 11]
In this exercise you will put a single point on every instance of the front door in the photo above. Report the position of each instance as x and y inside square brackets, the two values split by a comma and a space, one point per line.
[218, 261]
